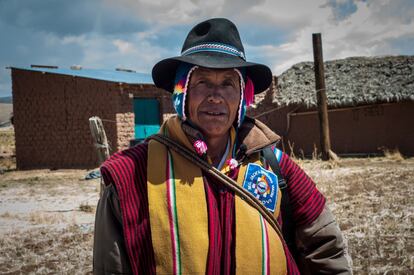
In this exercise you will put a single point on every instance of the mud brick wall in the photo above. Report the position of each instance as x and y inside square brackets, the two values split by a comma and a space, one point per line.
[51, 117]
[363, 129]
[356, 130]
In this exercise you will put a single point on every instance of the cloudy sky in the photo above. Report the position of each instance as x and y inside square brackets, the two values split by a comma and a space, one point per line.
[135, 34]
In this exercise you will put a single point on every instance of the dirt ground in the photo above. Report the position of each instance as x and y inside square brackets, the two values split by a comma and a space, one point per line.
[46, 222]
[47, 217]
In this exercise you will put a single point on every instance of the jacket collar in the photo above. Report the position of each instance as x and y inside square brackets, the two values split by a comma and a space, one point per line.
[252, 135]
[255, 135]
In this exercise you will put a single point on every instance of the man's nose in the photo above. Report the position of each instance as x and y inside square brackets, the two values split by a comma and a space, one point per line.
[215, 95]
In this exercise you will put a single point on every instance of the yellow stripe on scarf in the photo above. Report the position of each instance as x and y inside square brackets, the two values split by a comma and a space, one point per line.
[190, 204]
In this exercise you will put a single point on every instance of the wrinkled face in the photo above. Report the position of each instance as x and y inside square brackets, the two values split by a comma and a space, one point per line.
[213, 100]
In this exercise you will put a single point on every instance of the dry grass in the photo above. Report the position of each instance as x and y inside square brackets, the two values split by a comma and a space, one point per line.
[45, 251]
[85, 207]
[8, 215]
[5, 111]
[43, 218]
[373, 200]
[7, 140]
[7, 149]
[393, 154]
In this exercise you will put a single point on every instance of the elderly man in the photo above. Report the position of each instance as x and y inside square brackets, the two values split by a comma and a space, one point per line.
[205, 196]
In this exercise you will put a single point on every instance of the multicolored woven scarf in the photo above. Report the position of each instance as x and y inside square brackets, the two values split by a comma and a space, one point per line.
[182, 79]
[179, 216]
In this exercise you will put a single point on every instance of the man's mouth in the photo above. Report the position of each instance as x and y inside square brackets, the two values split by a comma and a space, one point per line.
[214, 113]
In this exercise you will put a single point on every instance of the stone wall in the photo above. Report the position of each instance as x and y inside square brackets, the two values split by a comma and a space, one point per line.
[125, 129]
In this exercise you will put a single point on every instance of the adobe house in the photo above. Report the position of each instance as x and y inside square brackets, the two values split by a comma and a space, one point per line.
[52, 107]
[370, 106]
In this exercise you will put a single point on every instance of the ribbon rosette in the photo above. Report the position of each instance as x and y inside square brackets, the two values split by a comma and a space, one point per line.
[200, 147]
[232, 163]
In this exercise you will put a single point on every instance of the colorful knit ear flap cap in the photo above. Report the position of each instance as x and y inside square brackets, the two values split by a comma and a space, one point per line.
[182, 79]
[246, 95]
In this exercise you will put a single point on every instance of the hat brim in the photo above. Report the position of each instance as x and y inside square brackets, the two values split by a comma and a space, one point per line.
[163, 73]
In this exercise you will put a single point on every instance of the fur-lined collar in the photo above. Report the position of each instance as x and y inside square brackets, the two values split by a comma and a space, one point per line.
[255, 135]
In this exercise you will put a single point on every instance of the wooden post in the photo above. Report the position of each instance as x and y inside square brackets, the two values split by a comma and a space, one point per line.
[321, 96]
[101, 142]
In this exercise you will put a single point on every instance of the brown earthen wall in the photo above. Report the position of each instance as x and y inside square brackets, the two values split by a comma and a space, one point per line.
[51, 115]
[357, 130]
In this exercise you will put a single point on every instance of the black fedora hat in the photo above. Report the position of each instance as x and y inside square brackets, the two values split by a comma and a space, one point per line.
[214, 44]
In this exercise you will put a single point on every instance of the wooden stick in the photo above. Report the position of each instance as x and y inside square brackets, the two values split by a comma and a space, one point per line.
[101, 143]
[321, 96]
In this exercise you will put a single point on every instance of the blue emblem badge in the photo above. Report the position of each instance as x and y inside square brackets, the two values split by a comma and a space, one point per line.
[262, 184]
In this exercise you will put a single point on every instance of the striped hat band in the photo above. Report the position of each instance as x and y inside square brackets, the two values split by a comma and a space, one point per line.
[214, 47]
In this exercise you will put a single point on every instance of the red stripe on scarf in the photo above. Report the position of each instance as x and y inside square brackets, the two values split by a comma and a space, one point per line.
[170, 217]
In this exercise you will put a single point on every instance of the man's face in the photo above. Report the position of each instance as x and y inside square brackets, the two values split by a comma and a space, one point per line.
[213, 100]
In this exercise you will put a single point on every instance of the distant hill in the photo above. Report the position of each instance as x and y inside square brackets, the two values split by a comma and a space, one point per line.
[7, 99]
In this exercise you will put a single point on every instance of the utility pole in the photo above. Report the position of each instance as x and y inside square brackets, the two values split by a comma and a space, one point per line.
[321, 97]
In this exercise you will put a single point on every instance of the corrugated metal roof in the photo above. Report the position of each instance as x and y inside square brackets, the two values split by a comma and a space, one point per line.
[101, 74]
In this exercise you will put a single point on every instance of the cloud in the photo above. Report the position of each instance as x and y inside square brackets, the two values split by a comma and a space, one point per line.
[63, 33]
[69, 17]
[124, 47]
[372, 29]
[137, 33]
[342, 8]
